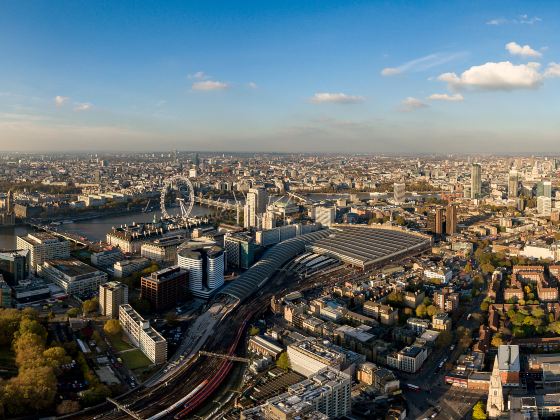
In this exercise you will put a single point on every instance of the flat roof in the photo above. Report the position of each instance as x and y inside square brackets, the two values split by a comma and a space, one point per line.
[364, 245]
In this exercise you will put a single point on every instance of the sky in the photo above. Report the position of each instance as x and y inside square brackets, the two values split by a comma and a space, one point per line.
[284, 76]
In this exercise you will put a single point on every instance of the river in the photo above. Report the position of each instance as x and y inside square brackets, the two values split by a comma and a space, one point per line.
[94, 229]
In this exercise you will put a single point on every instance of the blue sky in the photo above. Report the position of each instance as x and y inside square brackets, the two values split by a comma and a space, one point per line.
[359, 76]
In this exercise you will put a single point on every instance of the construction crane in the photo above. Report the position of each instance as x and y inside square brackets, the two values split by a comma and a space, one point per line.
[125, 409]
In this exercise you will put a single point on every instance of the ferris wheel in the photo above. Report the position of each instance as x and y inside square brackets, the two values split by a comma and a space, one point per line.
[183, 190]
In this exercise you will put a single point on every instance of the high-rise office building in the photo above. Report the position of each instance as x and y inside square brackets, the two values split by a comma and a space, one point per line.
[14, 266]
[476, 180]
[255, 207]
[399, 191]
[544, 189]
[111, 296]
[513, 184]
[451, 219]
[164, 288]
[205, 263]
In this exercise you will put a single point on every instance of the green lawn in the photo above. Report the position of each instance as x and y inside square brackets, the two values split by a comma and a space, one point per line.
[118, 343]
[135, 359]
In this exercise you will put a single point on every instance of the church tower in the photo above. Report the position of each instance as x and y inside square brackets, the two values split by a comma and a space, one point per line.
[495, 406]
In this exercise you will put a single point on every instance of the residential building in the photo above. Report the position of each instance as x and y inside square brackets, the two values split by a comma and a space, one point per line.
[399, 192]
[446, 299]
[451, 219]
[142, 335]
[410, 359]
[255, 206]
[325, 215]
[328, 392]
[111, 296]
[544, 206]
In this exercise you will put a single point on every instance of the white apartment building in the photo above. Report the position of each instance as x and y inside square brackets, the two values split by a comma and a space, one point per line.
[74, 276]
[325, 395]
[125, 268]
[107, 257]
[142, 335]
[544, 205]
[325, 215]
[111, 296]
[42, 246]
[308, 357]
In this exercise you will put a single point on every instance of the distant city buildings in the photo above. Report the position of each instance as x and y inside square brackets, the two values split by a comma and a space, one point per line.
[476, 181]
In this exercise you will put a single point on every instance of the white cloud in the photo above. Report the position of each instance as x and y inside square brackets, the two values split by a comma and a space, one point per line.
[553, 70]
[521, 20]
[497, 21]
[496, 76]
[252, 85]
[524, 51]
[199, 75]
[411, 104]
[335, 98]
[60, 100]
[210, 85]
[457, 97]
[527, 20]
[83, 106]
[423, 63]
[390, 71]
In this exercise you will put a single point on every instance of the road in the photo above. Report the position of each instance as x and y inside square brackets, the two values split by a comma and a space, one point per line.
[452, 402]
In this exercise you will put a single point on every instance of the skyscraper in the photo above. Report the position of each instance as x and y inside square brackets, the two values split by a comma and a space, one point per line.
[451, 219]
[476, 181]
[513, 184]
[254, 207]
[544, 189]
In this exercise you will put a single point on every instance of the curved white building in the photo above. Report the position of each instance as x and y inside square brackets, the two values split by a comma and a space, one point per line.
[205, 263]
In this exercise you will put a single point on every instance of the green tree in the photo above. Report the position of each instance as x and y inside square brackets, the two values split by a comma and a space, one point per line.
[421, 311]
[56, 356]
[283, 361]
[254, 330]
[91, 305]
[432, 310]
[497, 340]
[479, 411]
[112, 327]
[445, 338]
[73, 312]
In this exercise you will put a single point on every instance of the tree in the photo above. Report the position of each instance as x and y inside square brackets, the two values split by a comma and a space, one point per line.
[487, 268]
[56, 356]
[445, 338]
[67, 407]
[91, 305]
[254, 330]
[112, 327]
[421, 311]
[479, 411]
[73, 312]
[484, 306]
[432, 310]
[283, 361]
[497, 340]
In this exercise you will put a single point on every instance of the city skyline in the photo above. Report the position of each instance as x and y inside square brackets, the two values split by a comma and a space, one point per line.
[466, 77]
